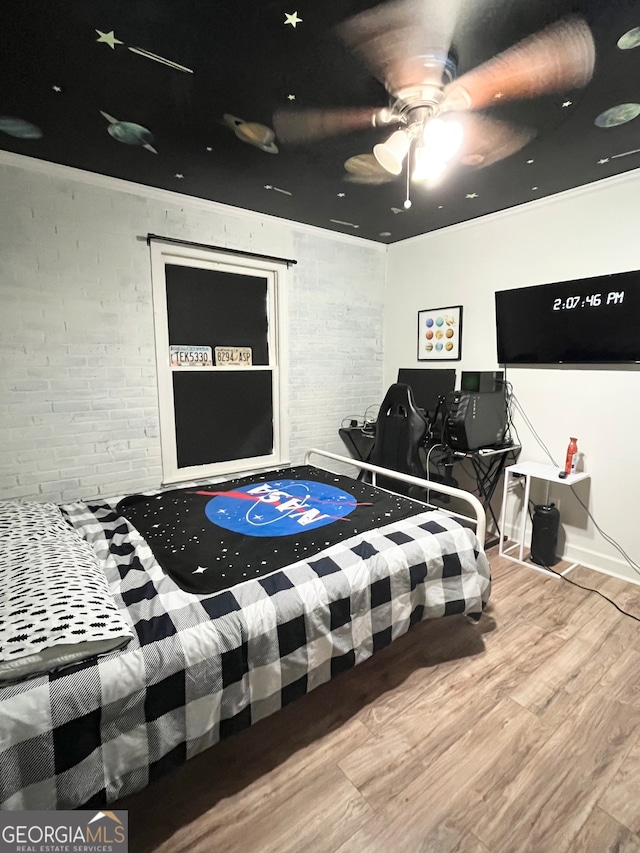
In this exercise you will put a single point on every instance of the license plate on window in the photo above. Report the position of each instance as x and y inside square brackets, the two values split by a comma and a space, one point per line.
[190, 356]
[233, 356]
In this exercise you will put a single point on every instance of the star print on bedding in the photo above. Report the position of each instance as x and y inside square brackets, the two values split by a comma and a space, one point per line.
[209, 538]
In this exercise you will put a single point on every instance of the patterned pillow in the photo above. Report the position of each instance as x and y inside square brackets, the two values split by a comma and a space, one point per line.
[55, 604]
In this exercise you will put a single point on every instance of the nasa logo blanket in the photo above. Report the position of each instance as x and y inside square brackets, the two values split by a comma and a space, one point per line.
[209, 538]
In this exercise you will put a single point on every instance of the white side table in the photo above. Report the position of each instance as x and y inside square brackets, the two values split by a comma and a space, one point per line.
[531, 470]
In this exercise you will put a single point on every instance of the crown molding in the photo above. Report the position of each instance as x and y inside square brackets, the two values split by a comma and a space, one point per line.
[525, 207]
[57, 170]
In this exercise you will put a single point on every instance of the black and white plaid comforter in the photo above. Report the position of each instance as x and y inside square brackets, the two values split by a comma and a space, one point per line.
[204, 667]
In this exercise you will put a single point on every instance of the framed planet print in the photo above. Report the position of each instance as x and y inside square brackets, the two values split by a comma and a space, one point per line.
[440, 334]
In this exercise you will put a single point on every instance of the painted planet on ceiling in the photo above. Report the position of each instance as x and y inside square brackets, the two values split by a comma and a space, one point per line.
[19, 128]
[630, 39]
[258, 135]
[130, 133]
[615, 116]
[365, 169]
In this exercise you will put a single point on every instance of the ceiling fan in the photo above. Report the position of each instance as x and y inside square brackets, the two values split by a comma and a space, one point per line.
[406, 44]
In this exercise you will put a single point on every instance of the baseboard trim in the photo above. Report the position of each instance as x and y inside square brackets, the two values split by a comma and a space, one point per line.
[603, 563]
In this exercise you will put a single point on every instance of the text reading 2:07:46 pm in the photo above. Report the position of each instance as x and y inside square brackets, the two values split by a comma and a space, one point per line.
[592, 301]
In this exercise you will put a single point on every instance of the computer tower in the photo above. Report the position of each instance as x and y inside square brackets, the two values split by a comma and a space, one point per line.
[482, 380]
[475, 419]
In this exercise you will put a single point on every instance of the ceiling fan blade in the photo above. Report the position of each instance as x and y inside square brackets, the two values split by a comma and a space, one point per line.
[404, 42]
[308, 125]
[487, 140]
[558, 58]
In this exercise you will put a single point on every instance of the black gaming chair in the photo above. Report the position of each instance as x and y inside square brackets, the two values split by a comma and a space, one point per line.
[400, 432]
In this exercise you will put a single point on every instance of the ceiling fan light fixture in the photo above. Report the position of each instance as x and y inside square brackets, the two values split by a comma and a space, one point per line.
[442, 139]
[391, 154]
[439, 141]
[427, 167]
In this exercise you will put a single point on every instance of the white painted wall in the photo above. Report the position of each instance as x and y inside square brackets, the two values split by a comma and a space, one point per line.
[78, 398]
[78, 402]
[587, 232]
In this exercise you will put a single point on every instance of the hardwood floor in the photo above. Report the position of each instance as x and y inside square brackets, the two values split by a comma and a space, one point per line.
[518, 735]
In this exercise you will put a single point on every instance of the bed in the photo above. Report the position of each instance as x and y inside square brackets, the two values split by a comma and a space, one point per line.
[189, 668]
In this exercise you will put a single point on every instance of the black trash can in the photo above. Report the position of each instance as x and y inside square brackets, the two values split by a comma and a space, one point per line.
[544, 535]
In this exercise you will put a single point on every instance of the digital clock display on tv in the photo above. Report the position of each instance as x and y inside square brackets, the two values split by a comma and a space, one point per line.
[590, 320]
[591, 300]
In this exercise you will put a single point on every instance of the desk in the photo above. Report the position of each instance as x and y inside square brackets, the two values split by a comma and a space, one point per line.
[531, 470]
[488, 463]
[358, 441]
[488, 466]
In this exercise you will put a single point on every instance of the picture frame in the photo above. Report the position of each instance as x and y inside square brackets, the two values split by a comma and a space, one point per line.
[440, 334]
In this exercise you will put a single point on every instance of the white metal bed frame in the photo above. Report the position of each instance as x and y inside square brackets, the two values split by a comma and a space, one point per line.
[477, 516]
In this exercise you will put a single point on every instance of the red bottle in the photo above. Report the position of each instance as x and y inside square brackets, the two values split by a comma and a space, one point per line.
[572, 457]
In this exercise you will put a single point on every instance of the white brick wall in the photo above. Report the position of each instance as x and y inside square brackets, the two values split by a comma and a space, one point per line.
[78, 399]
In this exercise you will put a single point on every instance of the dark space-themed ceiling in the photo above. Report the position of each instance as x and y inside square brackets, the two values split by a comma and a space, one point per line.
[276, 106]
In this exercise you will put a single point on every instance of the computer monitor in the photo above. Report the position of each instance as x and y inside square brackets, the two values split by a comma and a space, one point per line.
[428, 385]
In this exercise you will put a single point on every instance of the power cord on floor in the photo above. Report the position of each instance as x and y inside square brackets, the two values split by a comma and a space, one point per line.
[575, 583]
[590, 589]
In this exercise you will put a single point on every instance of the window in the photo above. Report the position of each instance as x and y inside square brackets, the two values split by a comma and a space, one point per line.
[219, 344]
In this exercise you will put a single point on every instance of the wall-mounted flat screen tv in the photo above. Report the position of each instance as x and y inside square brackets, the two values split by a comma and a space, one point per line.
[586, 321]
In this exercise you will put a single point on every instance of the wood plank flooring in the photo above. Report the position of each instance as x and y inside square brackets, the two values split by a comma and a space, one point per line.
[518, 735]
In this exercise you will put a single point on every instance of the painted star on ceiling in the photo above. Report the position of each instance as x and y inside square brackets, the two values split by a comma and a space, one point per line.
[292, 19]
[108, 38]
[200, 570]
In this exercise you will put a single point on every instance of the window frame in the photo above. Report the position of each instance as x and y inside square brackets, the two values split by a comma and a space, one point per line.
[166, 253]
